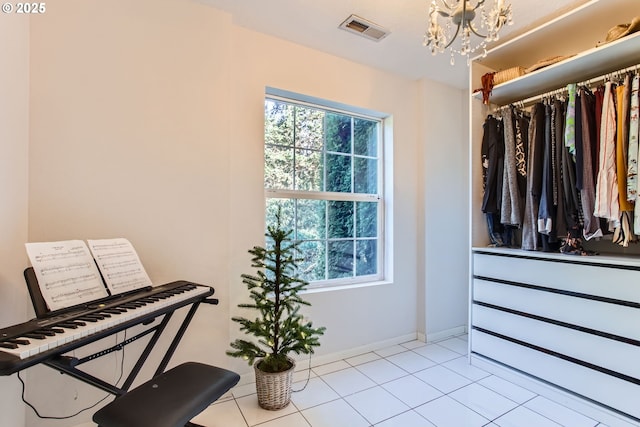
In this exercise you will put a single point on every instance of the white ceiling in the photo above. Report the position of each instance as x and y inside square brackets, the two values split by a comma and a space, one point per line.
[314, 23]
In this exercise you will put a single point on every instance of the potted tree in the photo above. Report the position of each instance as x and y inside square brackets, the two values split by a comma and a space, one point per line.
[279, 328]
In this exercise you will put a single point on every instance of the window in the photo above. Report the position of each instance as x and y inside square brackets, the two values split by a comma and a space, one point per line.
[323, 168]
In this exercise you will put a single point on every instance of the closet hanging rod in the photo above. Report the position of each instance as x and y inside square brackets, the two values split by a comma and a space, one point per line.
[599, 79]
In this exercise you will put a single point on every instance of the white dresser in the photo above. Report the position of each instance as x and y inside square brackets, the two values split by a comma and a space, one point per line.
[573, 322]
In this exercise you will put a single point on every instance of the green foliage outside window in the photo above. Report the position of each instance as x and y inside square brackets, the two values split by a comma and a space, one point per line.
[311, 156]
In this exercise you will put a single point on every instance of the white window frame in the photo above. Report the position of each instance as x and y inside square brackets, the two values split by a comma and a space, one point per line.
[382, 252]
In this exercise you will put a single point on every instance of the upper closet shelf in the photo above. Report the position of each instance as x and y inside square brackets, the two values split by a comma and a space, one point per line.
[586, 65]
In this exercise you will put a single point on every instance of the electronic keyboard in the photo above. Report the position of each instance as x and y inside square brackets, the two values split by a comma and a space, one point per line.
[43, 339]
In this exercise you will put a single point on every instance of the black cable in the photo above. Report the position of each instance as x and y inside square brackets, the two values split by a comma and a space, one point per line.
[308, 377]
[47, 417]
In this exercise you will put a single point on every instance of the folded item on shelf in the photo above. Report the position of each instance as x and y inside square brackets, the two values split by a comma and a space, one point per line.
[508, 74]
[546, 62]
[621, 30]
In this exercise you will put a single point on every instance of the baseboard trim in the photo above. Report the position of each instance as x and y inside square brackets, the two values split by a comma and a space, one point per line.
[448, 333]
[303, 360]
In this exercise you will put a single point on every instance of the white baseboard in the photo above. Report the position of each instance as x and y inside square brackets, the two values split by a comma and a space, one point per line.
[448, 333]
[570, 400]
[303, 360]
[324, 359]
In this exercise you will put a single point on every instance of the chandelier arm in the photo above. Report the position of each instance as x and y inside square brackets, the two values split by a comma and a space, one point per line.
[476, 33]
[447, 4]
[454, 36]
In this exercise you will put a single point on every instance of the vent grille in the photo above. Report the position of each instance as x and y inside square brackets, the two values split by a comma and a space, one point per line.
[362, 27]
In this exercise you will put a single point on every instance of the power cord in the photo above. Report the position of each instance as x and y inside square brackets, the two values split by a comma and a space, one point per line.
[308, 377]
[64, 417]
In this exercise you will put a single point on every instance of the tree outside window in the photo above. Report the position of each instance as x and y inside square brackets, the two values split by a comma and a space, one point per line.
[323, 168]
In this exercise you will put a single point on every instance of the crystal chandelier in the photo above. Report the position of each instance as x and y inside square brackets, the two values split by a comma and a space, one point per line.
[458, 19]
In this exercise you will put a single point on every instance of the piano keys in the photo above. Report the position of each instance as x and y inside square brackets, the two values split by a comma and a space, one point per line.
[35, 341]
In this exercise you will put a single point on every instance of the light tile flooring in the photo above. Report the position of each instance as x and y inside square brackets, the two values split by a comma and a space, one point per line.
[408, 385]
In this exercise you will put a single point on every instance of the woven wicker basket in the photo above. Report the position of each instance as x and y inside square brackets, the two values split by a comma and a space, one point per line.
[274, 390]
[508, 74]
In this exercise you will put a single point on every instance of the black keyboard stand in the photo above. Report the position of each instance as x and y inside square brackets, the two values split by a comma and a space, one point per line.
[169, 399]
[70, 365]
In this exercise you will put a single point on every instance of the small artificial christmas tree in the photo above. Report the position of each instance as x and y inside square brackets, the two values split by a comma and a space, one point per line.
[280, 329]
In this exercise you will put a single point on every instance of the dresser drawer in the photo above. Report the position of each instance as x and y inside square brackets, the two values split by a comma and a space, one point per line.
[618, 358]
[599, 315]
[606, 389]
[617, 282]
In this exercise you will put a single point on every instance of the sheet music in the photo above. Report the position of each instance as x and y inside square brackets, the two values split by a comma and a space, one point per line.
[119, 264]
[66, 273]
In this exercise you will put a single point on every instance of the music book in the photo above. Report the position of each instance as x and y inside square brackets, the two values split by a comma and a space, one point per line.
[71, 272]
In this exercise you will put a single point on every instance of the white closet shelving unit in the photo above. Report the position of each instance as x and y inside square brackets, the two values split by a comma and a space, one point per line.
[568, 325]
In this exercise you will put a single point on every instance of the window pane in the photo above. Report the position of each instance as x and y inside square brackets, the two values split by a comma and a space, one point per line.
[340, 220]
[309, 128]
[286, 214]
[338, 133]
[309, 171]
[367, 219]
[365, 137]
[278, 123]
[311, 219]
[366, 257]
[366, 175]
[311, 153]
[340, 259]
[338, 173]
[313, 265]
[278, 167]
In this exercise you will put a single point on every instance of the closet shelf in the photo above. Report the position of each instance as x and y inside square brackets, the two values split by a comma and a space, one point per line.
[587, 65]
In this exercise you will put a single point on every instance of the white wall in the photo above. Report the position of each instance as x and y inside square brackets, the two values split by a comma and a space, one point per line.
[14, 139]
[145, 122]
[445, 160]
[353, 317]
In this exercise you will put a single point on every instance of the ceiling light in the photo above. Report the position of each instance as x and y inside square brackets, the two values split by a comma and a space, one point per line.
[458, 19]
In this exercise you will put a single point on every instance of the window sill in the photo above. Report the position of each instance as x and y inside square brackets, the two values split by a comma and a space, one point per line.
[346, 287]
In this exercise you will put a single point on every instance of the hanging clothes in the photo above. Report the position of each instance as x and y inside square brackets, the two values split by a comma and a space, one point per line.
[634, 125]
[607, 205]
[558, 137]
[570, 120]
[623, 93]
[530, 237]
[623, 234]
[599, 93]
[632, 161]
[511, 208]
[546, 209]
[522, 145]
[492, 161]
[591, 227]
[492, 170]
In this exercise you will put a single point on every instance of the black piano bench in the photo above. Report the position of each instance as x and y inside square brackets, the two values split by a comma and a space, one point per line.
[169, 400]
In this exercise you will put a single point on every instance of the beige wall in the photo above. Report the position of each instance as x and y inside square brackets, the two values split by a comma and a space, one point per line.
[145, 122]
[444, 181]
[14, 144]
[354, 317]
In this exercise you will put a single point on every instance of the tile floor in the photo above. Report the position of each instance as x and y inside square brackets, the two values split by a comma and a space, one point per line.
[408, 385]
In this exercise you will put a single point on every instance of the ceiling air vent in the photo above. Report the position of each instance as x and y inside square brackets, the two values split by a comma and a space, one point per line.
[364, 28]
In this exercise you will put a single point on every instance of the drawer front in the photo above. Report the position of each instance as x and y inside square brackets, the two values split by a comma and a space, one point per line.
[594, 314]
[608, 356]
[606, 389]
[599, 280]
